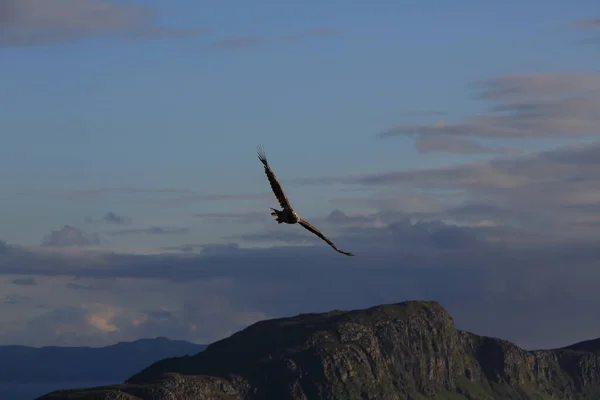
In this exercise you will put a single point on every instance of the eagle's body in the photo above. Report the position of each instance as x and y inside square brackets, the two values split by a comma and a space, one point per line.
[287, 215]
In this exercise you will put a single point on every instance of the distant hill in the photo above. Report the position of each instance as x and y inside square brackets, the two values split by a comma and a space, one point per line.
[24, 364]
[410, 350]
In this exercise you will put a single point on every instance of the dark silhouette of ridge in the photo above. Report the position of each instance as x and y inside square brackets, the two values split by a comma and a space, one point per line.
[24, 364]
[591, 346]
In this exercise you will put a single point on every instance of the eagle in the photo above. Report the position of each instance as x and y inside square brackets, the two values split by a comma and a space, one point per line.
[288, 215]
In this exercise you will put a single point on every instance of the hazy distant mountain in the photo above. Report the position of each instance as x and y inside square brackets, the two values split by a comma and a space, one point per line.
[24, 364]
[402, 351]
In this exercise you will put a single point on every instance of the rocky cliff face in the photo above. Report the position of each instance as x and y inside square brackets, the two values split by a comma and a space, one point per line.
[410, 350]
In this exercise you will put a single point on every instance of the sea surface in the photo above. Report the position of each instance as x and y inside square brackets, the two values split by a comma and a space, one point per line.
[30, 391]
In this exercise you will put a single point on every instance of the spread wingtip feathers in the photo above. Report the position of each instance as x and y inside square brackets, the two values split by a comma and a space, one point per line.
[260, 151]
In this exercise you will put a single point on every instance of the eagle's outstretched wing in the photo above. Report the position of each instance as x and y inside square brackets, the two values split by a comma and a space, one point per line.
[319, 234]
[275, 186]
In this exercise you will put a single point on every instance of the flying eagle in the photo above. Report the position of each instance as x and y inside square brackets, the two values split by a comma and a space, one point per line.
[288, 215]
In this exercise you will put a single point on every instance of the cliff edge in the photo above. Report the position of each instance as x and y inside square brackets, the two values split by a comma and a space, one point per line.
[410, 350]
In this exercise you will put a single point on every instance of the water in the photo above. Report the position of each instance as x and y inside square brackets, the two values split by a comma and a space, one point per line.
[30, 391]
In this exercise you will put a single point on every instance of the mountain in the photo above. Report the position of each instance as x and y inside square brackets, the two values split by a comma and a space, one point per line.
[410, 350]
[23, 364]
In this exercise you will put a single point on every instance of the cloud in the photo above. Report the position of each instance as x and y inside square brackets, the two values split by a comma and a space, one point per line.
[536, 105]
[16, 299]
[85, 286]
[205, 248]
[70, 236]
[120, 195]
[153, 230]
[200, 317]
[337, 216]
[40, 22]
[217, 197]
[271, 236]
[241, 217]
[450, 144]
[5, 247]
[553, 193]
[102, 321]
[186, 248]
[112, 218]
[542, 86]
[115, 194]
[71, 325]
[207, 295]
[428, 236]
[29, 281]
[591, 40]
[588, 23]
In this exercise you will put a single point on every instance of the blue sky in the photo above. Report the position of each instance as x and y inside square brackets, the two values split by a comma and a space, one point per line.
[160, 128]
[180, 113]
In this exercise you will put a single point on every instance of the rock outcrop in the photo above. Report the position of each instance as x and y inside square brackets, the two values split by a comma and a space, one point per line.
[410, 350]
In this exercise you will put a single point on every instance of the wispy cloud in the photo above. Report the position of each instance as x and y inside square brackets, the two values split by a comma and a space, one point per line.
[84, 286]
[38, 22]
[148, 190]
[271, 236]
[186, 248]
[153, 230]
[16, 299]
[217, 197]
[590, 40]
[589, 23]
[118, 195]
[243, 217]
[449, 144]
[593, 23]
[113, 218]
[205, 248]
[28, 281]
[538, 105]
[552, 192]
[70, 236]
[537, 86]
[104, 193]
[103, 322]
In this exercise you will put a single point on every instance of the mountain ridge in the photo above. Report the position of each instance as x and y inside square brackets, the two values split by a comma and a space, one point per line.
[409, 350]
[29, 364]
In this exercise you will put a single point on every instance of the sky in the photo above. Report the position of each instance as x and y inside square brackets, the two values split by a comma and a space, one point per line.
[453, 148]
